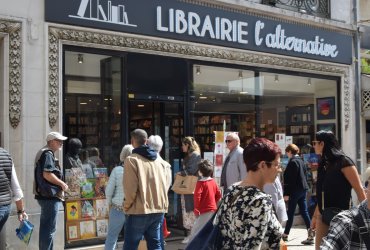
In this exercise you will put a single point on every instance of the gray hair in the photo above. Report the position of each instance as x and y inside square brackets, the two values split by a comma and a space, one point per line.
[234, 136]
[140, 136]
[126, 151]
[155, 142]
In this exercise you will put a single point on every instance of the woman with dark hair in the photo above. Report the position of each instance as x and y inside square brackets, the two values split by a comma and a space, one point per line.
[190, 167]
[295, 192]
[246, 217]
[337, 175]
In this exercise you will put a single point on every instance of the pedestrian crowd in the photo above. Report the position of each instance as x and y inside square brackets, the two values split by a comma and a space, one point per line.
[248, 206]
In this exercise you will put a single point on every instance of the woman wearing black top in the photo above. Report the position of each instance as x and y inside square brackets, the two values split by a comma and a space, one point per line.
[295, 191]
[337, 175]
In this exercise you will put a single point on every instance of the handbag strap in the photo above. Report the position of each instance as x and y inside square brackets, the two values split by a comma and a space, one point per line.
[363, 231]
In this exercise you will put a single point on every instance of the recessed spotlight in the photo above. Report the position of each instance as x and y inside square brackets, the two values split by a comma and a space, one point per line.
[141, 106]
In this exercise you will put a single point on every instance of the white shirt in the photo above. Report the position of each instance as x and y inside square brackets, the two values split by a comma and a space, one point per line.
[16, 189]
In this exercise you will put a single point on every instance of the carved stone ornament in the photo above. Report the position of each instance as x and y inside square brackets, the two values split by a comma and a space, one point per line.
[125, 41]
[14, 30]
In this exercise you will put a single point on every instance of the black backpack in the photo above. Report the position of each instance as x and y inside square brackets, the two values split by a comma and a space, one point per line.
[43, 187]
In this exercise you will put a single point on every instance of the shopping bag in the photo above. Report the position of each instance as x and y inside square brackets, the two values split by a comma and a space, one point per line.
[283, 245]
[24, 231]
[184, 184]
[208, 238]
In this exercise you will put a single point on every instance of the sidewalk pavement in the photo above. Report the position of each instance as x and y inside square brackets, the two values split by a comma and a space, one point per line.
[296, 235]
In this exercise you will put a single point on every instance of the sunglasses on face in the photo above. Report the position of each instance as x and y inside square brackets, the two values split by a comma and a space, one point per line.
[228, 141]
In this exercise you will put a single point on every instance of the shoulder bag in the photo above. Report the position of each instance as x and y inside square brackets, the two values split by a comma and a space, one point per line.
[209, 237]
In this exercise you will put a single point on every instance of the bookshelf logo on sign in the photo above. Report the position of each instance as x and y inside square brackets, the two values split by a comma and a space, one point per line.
[102, 11]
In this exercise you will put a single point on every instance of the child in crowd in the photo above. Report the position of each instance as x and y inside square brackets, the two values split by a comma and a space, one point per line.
[206, 196]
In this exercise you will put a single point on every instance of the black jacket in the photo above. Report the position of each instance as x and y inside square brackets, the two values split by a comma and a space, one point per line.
[295, 176]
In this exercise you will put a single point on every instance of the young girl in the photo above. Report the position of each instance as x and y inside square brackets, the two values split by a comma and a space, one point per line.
[206, 196]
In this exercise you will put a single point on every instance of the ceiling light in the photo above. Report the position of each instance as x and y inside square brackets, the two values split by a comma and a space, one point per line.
[141, 106]
[221, 92]
[80, 58]
[276, 78]
[197, 70]
[83, 103]
[309, 82]
[203, 97]
[243, 92]
[240, 75]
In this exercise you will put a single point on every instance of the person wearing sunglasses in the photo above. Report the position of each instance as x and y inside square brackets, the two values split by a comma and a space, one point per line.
[246, 217]
[337, 175]
[234, 168]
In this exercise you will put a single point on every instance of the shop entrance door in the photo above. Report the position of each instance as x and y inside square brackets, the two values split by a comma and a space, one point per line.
[166, 120]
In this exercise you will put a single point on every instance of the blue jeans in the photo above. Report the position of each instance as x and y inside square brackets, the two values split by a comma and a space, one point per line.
[300, 199]
[48, 223]
[116, 222]
[147, 225]
[4, 215]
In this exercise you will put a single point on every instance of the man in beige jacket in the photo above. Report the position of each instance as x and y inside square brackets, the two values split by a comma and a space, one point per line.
[145, 187]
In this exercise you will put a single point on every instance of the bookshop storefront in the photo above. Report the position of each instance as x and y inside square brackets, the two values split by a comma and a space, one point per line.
[184, 69]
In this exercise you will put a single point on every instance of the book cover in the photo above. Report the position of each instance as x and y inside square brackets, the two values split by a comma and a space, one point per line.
[87, 209]
[72, 231]
[101, 172]
[87, 229]
[100, 185]
[219, 160]
[73, 210]
[88, 188]
[74, 177]
[102, 227]
[102, 209]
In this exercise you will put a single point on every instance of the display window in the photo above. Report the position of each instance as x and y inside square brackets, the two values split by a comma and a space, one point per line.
[92, 113]
[259, 104]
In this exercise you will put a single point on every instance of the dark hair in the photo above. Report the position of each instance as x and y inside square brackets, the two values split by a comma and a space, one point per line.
[332, 149]
[292, 148]
[259, 149]
[206, 168]
[140, 136]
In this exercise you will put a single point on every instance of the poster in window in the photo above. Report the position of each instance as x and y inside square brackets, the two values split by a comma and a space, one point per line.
[87, 229]
[73, 210]
[102, 227]
[72, 231]
[325, 108]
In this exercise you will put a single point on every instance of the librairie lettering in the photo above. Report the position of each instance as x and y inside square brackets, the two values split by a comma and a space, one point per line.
[235, 31]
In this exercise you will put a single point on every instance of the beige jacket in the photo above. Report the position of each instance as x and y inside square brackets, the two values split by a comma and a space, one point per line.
[145, 185]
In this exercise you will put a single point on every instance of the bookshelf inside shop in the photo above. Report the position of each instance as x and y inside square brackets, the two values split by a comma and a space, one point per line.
[300, 124]
[83, 126]
[176, 132]
[143, 123]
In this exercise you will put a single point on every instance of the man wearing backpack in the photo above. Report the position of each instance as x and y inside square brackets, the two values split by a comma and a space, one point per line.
[49, 188]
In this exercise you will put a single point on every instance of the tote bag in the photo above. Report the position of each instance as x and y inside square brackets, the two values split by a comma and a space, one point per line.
[184, 184]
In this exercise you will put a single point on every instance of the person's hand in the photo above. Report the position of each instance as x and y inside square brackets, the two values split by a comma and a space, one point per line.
[286, 198]
[64, 186]
[22, 216]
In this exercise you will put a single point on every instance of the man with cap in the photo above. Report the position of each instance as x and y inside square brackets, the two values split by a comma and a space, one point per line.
[51, 174]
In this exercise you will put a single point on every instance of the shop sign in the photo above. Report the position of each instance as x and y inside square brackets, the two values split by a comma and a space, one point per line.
[202, 24]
